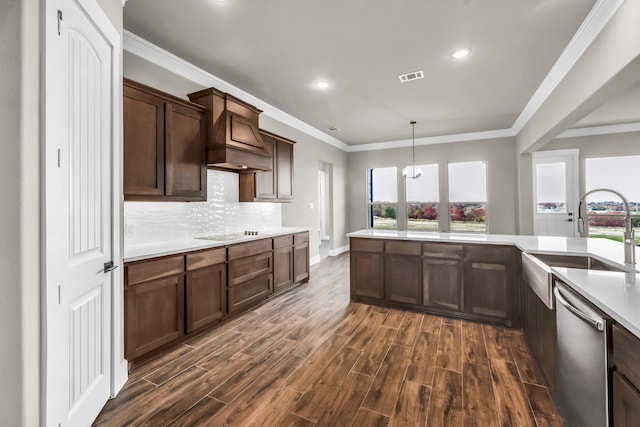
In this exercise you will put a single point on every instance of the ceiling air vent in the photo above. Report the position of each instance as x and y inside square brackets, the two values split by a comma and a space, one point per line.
[333, 129]
[411, 76]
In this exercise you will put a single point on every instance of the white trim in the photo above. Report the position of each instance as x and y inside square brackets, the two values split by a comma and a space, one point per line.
[338, 251]
[430, 140]
[600, 130]
[144, 49]
[123, 2]
[595, 21]
[315, 260]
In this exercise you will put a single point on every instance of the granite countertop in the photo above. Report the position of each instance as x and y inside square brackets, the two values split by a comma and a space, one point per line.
[615, 293]
[170, 247]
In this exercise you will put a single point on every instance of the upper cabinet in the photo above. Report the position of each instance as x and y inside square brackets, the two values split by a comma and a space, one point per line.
[275, 185]
[164, 146]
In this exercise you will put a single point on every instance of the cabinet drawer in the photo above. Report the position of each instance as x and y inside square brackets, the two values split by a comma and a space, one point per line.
[282, 241]
[206, 258]
[402, 248]
[442, 250]
[489, 253]
[249, 293]
[242, 250]
[148, 270]
[366, 245]
[244, 269]
[300, 238]
[626, 348]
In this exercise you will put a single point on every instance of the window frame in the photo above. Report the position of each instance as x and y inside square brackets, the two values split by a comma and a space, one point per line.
[371, 202]
[469, 202]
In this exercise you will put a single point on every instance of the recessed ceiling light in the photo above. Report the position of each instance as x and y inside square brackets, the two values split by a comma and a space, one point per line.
[322, 85]
[461, 53]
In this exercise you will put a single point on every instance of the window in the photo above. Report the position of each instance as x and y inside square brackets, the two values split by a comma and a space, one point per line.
[551, 188]
[605, 210]
[422, 200]
[383, 198]
[468, 196]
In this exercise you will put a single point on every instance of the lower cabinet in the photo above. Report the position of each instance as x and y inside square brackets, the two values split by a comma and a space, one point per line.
[206, 296]
[249, 293]
[154, 305]
[626, 402]
[282, 263]
[403, 272]
[250, 278]
[367, 268]
[301, 257]
[539, 326]
[442, 283]
[626, 378]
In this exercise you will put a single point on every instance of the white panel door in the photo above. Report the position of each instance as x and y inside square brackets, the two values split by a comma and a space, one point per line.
[555, 192]
[78, 214]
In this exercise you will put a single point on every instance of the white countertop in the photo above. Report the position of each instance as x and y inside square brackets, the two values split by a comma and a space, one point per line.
[615, 293]
[170, 247]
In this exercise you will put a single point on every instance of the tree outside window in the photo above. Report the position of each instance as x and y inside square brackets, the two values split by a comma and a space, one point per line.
[422, 200]
[383, 198]
[468, 197]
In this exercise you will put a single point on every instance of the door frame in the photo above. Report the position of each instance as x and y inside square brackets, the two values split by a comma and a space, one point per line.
[119, 365]
[573, 181]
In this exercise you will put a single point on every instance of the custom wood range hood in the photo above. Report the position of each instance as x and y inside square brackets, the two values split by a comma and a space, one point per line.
[233, 140]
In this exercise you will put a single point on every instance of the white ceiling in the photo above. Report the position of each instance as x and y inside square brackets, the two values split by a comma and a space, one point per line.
[277, 50]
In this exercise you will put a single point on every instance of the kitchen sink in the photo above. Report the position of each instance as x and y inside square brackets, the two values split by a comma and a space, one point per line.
[536, 270]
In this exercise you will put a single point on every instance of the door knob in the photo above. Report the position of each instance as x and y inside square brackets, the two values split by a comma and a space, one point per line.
[109, 267]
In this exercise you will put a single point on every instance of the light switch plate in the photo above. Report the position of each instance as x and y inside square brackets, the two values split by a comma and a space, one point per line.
[311, 206]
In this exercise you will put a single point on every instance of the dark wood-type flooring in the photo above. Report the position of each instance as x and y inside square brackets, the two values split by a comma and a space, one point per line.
[311, 357]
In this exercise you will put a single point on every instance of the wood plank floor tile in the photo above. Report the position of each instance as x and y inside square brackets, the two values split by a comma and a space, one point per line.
[373, 354]
[365, 331]
[409, 329]
[277, 409]
[365, 418]
[143, 369]
[445, 403]
[511, 398]
[352, 319]
[386, 386]
[527, 366]
[324, 389]
[344, 407]
[450, 348]
[129, 392]
[431, 324]
[480, 409]
[394, 318]
[497, 343]
[423, 359]
[315, 364]
[544, 410]
[250, 372]
[199, 414]
[473, 344]
[412, 404]
[452, 321]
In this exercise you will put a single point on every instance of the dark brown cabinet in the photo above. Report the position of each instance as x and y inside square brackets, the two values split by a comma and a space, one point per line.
[275, 185]
[282, 263]
[539, 326]
[442, 270]
[367, 268]
[626, 378]
[301, 257]
[154, 305]
[164, 146]
[403, 272]
[206, 284]
[250, 278]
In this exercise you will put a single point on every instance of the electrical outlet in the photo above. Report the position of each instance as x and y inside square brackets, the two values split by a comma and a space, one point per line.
[311, 206]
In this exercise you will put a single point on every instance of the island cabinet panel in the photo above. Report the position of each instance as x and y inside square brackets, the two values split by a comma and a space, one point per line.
[366, 259]
[403, 272]
[626, 377]
[626, 402]
[442, 283]
[206, 296]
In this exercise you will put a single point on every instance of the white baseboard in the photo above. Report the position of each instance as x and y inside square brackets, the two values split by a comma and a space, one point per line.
[336, 252]
[314, 260]
[121, 374]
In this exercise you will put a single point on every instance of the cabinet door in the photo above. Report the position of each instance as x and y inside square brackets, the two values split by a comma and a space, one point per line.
[548, 342]
[403, 278]
[367, 274]
[154, 314]
[249, 293]
[206, 296]
[626, 403]
[243, 269]
[487, 290]
[143, 143]
[442, 283]
[284, 168]
[301, 262]
[282, 268]
[265, 182]
[185, 161]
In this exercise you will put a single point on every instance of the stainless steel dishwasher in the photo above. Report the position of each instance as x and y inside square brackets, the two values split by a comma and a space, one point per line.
[582, 393]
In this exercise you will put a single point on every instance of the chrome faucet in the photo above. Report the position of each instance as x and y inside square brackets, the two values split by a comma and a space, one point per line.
[629, 239]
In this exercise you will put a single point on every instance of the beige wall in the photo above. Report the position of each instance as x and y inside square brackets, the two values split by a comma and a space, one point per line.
[502, 176]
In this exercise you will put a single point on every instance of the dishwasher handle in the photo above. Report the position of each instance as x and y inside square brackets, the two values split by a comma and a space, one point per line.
[596, 324]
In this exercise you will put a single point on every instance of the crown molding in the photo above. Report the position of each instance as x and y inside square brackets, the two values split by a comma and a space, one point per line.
[600, 130]
[138, 46]
[595, 21]
[123, 2]
[430, 140]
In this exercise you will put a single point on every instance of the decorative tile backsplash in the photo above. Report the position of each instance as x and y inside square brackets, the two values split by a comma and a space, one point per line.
[147, 222]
